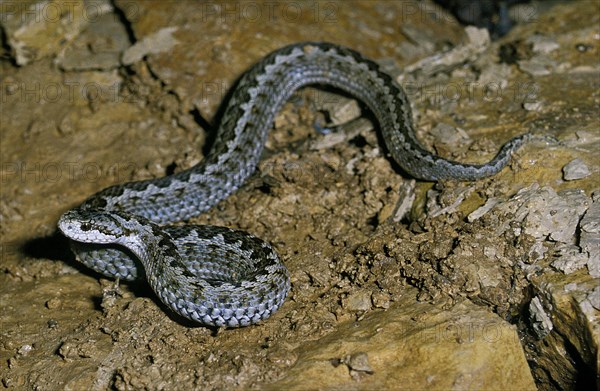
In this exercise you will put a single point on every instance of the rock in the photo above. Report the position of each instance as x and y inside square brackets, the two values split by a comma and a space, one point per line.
[565, 303]
[38, 29]
[24, 350]
[449, 136]
[438, 205]
[343, 133]
[489, 205]
[539, 65]
[542, 44]
[358, 301]
[420, 41]
[589, 238]
[544, 213]
[594, 298]
[541, 322]
[357, 363]
[495, 76]
[418, 346]
[570, 258]
[477, 41]
[537, 251]
[161, 41]
[406, 198]
[339, 109]
[576, 169]
[99, 47]
[533, 106]
[562, 312]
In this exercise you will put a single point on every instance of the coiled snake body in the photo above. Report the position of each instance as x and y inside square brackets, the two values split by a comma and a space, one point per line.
[220, 276]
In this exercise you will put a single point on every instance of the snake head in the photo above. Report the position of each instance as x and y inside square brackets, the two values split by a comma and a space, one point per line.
[92, 226]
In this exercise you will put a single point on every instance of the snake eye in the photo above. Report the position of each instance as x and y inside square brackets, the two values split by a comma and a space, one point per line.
[86, 226]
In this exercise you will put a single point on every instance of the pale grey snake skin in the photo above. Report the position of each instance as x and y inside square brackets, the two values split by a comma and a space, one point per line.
[219, 276]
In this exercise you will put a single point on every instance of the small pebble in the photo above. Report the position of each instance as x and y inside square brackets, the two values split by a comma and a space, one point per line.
[358, 301]
[594, 298]
[541, 322]
[25, 349]
[359, 362]
[570, 264]
[53, 303]
[581, 47]
[542, 44]
[533, 106]
[576, 169]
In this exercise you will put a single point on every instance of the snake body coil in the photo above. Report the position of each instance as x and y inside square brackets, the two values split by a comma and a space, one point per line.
[219, 276]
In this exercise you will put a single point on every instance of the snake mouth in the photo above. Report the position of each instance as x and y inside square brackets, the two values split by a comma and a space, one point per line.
[66, 224]
[70, 228]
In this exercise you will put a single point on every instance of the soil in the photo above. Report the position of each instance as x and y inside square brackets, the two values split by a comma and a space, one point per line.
[371, 277]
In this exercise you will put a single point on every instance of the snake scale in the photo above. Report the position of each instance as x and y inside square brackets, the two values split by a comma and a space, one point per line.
[220, 276]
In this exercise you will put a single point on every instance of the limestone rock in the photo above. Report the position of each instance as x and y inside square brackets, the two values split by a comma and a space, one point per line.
[576, 169]
[37, 29]
[417, 346]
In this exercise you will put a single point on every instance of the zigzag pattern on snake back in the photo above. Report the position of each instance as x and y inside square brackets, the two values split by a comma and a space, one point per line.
[216, 275]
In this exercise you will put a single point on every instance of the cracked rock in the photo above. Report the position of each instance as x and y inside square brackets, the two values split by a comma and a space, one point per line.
[541, 322]
[570, 259]
[99, 47]
[159, 42]
[589, 240]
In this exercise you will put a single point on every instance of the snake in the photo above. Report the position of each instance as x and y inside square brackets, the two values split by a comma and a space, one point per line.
[218, 276]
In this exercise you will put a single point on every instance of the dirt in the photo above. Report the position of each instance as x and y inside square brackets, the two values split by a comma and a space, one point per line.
[373, 293]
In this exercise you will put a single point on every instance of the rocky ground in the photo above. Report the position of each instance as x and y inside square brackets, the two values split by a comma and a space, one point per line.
[396, 283]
